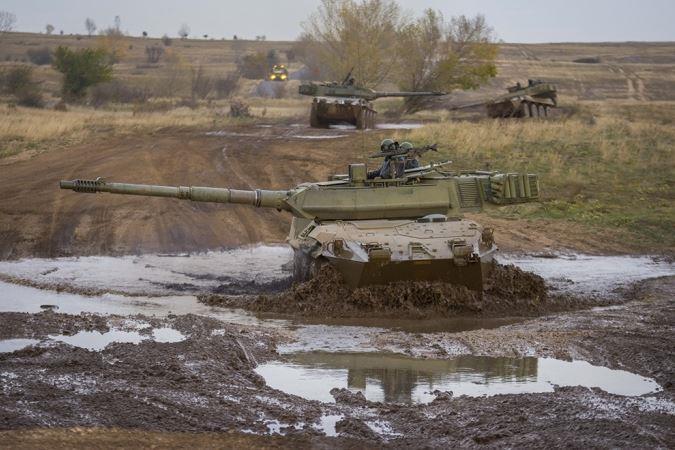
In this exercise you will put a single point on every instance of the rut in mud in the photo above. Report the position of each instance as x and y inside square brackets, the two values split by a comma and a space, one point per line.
[509, 291]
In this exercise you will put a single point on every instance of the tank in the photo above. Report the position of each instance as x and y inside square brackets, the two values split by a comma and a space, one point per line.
[533, 100]
[338, 103]
[375, 231]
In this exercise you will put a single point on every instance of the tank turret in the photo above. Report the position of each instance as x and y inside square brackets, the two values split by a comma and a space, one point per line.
[378, 230]
[345, 102]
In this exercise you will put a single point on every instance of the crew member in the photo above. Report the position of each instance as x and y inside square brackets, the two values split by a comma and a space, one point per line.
[386, 169]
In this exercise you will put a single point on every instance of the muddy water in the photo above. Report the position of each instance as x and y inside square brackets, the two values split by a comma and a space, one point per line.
[257, 268]
[391, 378]
[97, 341]
[12, 345]
[159, 284]
[152, 274]
[585, 274]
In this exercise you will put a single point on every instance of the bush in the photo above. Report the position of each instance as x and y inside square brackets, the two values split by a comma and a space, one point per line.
[226, 86]
[200, 84]
[115, 92]
[153, 53]
[81, 69]
[30, 97]
[253, 66]
[18, 81]
[166, 40]
[40, 56]
[239, 109]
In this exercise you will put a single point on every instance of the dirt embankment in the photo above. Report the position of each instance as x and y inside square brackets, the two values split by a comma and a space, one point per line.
[39, 219]
[509, 291]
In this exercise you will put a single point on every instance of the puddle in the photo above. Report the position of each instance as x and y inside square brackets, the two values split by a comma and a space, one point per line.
[12, 345]
[97, 341]
[167, 335]
[585, 274]
[319, 136]
[398, 126]
[392, 378]
[246, 269]
[327, 424]
[17, 298]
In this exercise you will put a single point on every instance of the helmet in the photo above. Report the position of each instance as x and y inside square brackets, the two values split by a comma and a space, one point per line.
[406, 145]
[384, 146]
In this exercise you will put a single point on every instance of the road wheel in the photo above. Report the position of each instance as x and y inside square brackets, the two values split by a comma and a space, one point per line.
[361, 119]
[313, 117]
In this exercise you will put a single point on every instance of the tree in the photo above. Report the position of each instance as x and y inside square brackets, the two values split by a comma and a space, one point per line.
[7, 21]
[49, 28]
[184, 31]
[441, 56]
[81, 69]
[90, 26]
[145, 34]
[112, 42]
[343, 34]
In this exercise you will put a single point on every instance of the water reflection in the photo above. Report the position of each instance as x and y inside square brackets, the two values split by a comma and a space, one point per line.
[399, 379]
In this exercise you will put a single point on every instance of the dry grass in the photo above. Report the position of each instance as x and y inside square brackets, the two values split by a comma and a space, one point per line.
[611, 171]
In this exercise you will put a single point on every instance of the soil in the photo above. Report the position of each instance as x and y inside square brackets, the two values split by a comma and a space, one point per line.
[163, 393]
[38, 219]
[509, 291]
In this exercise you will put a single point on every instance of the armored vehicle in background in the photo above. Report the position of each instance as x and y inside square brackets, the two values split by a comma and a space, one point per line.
[336, 103]
[533, 100]
[278, 73]
[375, 231]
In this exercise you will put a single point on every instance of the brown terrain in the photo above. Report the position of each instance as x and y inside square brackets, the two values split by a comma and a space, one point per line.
[204, 391]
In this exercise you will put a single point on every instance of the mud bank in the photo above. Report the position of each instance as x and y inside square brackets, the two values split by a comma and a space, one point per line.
[509, 291]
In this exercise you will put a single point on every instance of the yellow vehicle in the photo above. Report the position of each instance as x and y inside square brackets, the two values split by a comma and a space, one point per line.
[279, 73]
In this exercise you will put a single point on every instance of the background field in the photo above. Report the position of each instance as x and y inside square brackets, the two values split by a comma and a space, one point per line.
[605, 158]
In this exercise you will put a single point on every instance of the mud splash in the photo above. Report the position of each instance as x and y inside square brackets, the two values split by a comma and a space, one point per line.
[389, 378]
[509, 291]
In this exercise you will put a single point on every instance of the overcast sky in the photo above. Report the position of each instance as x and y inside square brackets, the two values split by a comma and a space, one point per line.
[513, 20]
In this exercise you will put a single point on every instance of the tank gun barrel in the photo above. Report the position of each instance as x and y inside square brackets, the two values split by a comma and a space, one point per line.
[258, 197]
[378, 94]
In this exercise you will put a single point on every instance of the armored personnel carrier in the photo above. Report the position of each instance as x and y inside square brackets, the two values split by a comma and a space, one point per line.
[337, 103]
[533, 100]
[375, 231]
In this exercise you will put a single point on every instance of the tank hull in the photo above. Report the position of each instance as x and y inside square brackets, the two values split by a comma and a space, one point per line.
[517, 108]
[335, 111]
[370, 252]
[357, 274]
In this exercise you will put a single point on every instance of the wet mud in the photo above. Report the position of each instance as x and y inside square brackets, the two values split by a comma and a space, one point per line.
[208, 383]
[170, 367]
[509, 291]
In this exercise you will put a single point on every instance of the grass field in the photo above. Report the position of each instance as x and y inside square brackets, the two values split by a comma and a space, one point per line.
[606, 159]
